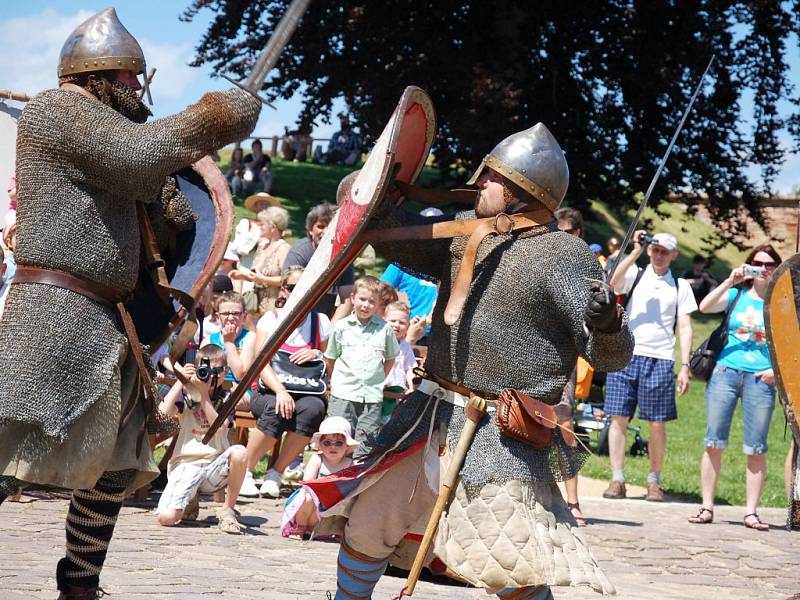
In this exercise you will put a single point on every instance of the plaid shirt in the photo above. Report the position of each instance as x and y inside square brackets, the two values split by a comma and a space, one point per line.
[347, 141]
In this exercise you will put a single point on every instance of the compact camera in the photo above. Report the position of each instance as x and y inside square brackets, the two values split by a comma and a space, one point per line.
[646, 238]
[753, 271]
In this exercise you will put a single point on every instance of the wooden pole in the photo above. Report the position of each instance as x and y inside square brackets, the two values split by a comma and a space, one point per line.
[18, 96]
[475, 411]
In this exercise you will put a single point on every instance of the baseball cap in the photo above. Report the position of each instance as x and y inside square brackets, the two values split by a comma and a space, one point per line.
[666, 240]
[595, 248]
[431, 211]
[221, 283]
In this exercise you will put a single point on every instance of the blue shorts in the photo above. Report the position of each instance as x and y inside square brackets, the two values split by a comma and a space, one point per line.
[646, 382]
[724, 388]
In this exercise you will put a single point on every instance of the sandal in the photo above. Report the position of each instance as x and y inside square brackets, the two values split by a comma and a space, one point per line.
[227, 521]
[758, 524]
[576, 507]
[703, 517]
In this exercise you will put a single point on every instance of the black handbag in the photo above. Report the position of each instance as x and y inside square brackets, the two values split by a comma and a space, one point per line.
[704, 358]
[304, 379]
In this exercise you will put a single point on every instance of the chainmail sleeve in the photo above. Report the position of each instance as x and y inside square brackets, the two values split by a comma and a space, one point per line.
[130, 158]
[568, 291]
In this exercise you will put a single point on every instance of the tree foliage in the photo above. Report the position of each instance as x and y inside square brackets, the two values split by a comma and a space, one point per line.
[610, 79]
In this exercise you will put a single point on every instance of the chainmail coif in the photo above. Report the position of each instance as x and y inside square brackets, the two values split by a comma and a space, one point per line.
[81, 167]
[521, 327]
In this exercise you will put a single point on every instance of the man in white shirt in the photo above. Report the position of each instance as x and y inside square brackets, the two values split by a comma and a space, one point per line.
[656, 300]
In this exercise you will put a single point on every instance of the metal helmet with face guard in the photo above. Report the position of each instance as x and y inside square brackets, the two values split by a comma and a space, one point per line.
[533, 160]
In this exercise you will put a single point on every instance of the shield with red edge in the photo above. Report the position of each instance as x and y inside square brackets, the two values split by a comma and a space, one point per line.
[400, 153]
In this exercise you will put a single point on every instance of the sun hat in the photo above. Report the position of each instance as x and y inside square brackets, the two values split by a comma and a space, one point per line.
[252, 201]
[334, 425]
[666, 240]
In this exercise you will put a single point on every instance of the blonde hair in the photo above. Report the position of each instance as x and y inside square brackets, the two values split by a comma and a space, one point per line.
[399, 306]
[369, 283]
[277, 215]
[289, 272]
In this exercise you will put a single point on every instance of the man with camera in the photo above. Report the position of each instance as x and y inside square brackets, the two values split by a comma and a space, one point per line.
[657, 304]
[196, 467]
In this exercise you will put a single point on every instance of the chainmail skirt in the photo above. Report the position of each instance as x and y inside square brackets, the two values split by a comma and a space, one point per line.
[92, 446]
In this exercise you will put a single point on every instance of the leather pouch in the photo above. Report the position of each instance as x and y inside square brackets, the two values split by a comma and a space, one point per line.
[525, 419]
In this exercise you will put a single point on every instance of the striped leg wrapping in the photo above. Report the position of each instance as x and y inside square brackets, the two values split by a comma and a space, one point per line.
[357, 574]
[89, 527]
[539, 592]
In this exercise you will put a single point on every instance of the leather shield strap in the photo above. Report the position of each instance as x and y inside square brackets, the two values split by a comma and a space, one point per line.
[106, 296]
[500, 224]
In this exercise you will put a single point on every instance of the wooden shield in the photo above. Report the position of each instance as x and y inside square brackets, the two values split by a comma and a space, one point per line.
[193, 259]
[400, 153]
[783, 337]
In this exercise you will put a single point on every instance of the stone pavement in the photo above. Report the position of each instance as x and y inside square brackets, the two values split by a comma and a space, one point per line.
[648, 551]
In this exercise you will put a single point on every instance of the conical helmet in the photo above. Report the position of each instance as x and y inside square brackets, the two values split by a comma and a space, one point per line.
[101, 43]
[534, 161]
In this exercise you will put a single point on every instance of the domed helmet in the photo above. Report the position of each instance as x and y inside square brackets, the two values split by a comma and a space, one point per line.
[101, 43]
[533, 160]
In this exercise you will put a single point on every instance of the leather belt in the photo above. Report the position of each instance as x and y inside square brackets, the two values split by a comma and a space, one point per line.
[453, 387]
[102, 294]
[107, 296]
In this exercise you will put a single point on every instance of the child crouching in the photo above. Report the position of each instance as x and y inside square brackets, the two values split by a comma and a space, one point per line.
[196, 467]
[334, 445]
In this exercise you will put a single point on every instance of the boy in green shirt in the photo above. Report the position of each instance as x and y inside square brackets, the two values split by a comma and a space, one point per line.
[361, 352]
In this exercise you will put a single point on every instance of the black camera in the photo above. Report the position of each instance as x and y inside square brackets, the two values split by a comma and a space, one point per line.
[646, 238]
[204, 370]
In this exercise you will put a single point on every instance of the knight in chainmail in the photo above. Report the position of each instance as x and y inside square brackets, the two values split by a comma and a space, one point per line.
[70, 410]
[529, 311]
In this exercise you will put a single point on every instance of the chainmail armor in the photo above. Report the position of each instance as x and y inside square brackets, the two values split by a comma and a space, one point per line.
[80, 168]
[522, 327]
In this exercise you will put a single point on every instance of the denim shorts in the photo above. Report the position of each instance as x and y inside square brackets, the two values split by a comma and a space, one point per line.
[758, 400]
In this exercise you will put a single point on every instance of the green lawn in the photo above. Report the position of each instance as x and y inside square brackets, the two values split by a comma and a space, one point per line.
[302, 185]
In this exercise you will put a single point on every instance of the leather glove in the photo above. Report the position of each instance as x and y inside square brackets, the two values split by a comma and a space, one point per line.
[602, 312]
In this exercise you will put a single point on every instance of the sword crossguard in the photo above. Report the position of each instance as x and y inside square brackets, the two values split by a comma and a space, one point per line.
[248, 90]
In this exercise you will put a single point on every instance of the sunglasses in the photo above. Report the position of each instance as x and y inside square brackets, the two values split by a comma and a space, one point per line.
[761, 263]
[329, 443]
[289, 287]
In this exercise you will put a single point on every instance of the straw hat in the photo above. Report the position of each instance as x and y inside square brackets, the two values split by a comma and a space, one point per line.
[334, 425]
[251, 202]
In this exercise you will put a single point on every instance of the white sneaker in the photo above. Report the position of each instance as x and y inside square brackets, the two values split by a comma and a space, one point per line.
[272, 484]
[249, 488]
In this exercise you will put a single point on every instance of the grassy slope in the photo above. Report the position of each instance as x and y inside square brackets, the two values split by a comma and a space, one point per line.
[302, 185]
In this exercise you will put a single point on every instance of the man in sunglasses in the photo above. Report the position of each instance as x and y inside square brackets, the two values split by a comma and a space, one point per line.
[658, 303]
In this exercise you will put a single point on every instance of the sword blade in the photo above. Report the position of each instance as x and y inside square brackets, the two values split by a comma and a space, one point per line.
[643, 204]
[272, 51]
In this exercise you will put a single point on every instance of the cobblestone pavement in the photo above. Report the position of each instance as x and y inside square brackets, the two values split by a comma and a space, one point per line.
[648, 551]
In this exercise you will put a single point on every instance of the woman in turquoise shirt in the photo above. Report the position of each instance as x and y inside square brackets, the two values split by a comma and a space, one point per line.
[743, 370]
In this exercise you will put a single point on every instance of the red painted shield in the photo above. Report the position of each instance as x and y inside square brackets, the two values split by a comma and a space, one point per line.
[399, 153]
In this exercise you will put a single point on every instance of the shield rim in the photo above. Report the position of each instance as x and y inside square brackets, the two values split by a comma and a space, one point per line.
[411, 95]
[785, 268]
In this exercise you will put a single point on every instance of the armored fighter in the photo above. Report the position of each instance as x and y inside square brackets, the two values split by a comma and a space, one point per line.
[70, 409]
[517, 309]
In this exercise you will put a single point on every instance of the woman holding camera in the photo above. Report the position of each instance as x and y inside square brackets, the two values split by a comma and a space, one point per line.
[743, 370]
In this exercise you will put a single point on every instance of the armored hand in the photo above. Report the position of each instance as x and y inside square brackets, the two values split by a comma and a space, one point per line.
[602, 312]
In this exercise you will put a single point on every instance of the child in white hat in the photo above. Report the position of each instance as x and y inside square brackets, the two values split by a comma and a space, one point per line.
[334, 444]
